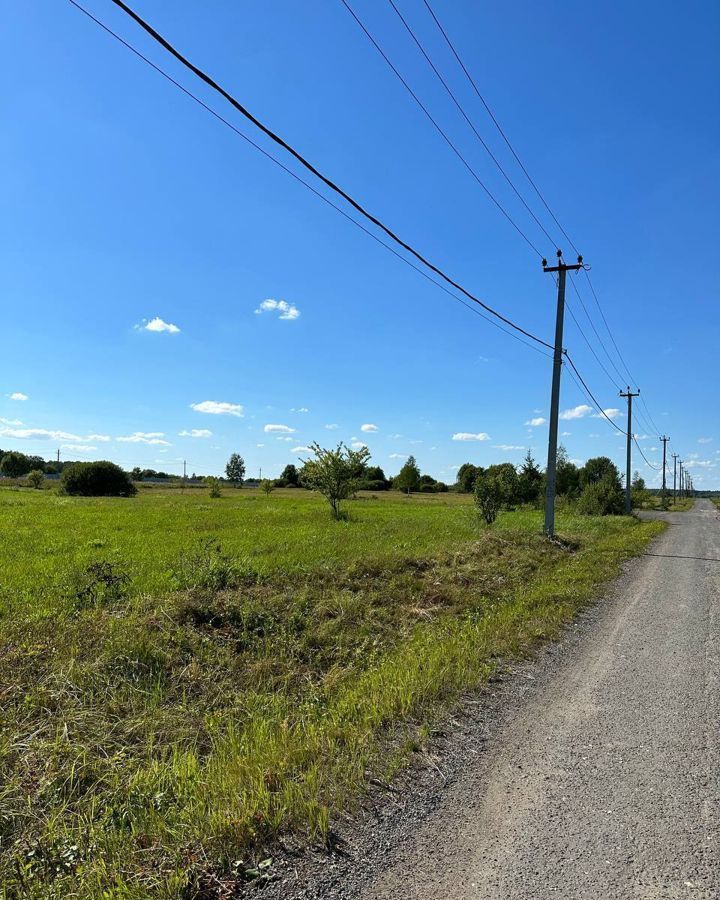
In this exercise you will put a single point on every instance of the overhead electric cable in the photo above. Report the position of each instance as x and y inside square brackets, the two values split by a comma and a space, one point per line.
[657, 468]
[591, 395]
[307, 185]
[497, 124]
[311, 168]
[477, 134]
[445, 137]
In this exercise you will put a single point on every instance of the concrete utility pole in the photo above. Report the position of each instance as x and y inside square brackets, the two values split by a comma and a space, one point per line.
[675, 459]
[628, 468]
[562, 269]
[664, 440]
[680, 482]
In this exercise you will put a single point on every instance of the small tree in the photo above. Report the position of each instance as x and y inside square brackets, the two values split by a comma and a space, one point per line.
[489, 495]
[290, 476]
[214, 485]
[466, 475]
[639, 491]
[235, 470]
[530, 481]
[36, 478]
[267, 486]
[136, 474]
[334, 473]
[408, 478]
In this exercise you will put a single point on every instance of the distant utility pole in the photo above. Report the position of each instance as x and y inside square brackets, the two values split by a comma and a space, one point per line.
[675, 459]
[664, 440]
[680, 482]
[628, 468]
[562, 269]
[58, 454]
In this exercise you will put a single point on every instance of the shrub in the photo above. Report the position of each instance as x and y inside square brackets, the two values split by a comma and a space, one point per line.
[208, 568]
[15, 465]
[100, 583]
[97, 479]
[214, 485]
[267, 486]
[601, 498]
[36, 478]
[489, 495]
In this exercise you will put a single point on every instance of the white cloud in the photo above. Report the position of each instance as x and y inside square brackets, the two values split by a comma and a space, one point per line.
[565, 433]
[287, 310]
[358, 445]
[13, 422]
[281, 429]
[536, 422]
[302, 409]
[144, 437]
[219, 408]
[42, 434]
[467, 436]
[285, 438]
[99, 437]
[195, 433]
[577, 412]
[611, 413]
[508, 447]
[332, 427]
[302, 450]
[704, 440]
[158, 325]
[369, 427]
[701, 464]
[398, 456]
[78, 447]
[18, 395]
[259, 445]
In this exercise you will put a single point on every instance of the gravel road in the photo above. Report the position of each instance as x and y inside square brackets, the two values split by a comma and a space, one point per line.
[606, 783]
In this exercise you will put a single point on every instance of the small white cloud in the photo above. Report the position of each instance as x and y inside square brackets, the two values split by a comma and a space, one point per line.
[195, 433]
[508, 447]
[99, 437]
[536, 422]
[357, 445]
[577, 412]
[279, 429]
[13, 422]
[369, 427]
[285, 438]
[398, 456]
[332, 427]
[42, 434]
[565, 433]
[144, 437]
[301, 409]
[468, 436]
[610, 413]
[158, 326]
[302, 450]
[82, 448]
[219, 408]
[259, 445]
[286, 310]
[704, 440]
[18, 395]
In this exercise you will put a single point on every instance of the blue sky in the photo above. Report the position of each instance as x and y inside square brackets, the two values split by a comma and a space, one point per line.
[125, 203]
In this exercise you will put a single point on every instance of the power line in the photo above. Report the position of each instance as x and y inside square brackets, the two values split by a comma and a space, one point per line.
[477, 134]
[643, 455]
[497, 124]
[445, 137]
[298, 156]
[591, 395]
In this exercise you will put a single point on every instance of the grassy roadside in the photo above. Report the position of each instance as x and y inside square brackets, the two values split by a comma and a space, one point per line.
[152, 746]
[680, 505]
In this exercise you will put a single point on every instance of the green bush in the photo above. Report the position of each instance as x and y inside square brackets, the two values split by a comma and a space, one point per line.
[97, 479]
[602, 498]
[36, 478]
[490, 493]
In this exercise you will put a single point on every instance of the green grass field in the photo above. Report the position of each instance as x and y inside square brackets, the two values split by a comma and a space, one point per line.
[182, 679]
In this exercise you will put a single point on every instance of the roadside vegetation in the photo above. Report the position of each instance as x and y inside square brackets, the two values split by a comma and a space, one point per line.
[183, 679]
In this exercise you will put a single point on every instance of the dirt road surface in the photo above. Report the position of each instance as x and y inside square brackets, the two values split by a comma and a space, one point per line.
[607, 784]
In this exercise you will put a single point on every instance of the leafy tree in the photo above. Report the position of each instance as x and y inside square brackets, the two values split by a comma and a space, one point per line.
[640, 493]
[235, 470]
[489, 493]
[530, 481]
[596, 469]
[507, 476]
[567, 475]
[214, 485]
[97, 479]
[334, 473]
[408, 478]
[290, 476]
[136, 474]
[467, 473]
[36, 478]
[15, 464]
[268, 486]
[602, 498]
